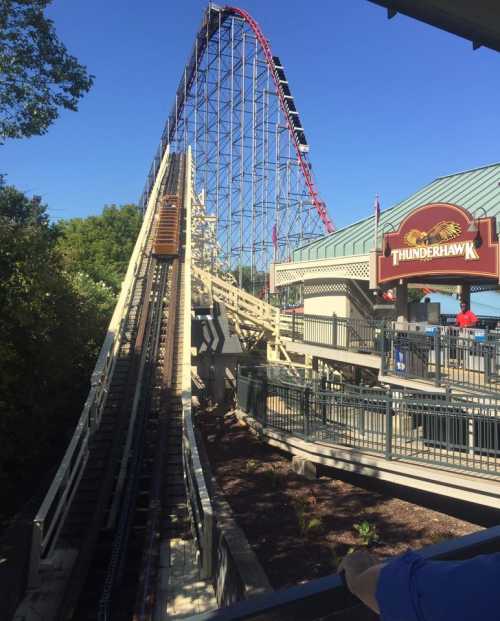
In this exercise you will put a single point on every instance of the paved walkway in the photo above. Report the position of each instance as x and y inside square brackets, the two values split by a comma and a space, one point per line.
[181, 590]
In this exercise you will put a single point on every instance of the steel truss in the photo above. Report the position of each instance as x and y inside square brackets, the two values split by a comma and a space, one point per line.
[235, 109]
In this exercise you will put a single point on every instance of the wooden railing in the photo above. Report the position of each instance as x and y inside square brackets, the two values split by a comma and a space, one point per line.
[50, 518]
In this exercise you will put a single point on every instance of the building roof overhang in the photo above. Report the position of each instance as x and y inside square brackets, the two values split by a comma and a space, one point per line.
[477, 21]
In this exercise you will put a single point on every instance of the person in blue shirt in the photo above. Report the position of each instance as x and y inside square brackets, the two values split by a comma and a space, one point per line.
[411, 588]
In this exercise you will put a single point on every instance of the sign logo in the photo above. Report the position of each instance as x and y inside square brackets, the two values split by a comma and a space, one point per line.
[425, 246]
[442, 242]
[441, 232]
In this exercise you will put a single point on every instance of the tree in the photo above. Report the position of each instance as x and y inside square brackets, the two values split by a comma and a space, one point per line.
[37, 74]
[39, 344]
[100, 246]
[53, 321]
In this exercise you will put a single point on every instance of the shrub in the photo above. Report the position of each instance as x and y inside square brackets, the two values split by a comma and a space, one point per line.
[367, 533]
[251, 466]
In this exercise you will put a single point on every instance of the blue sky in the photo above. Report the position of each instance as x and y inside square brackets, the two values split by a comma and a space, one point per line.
[387, 105]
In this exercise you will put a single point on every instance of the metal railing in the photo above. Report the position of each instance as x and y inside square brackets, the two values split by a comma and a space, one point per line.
[200, 505]
[327, 598]
[444, 356]
[358, 335]
[438, 429]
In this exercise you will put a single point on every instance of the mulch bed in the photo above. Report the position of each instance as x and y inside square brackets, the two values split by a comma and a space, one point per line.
[301, 529]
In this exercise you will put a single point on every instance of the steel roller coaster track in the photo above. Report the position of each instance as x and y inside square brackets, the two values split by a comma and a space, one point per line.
[235, 109]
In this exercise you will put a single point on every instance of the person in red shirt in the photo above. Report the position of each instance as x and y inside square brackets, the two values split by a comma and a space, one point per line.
[465, 318]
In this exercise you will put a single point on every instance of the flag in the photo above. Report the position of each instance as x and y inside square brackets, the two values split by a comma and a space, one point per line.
[275, 237]
[376, 206]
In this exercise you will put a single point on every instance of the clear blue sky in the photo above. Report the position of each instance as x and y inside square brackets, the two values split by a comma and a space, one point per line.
[387, 105]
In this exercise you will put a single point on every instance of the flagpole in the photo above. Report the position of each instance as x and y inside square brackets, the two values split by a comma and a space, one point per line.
[275, 242]
[377, 217]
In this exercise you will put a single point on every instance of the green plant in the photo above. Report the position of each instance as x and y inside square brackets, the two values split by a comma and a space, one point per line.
[313, 526]
[251, 466]
[308, 526]
[367, 533]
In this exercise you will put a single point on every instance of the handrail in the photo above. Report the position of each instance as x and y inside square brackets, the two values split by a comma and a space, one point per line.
[367, 308]
[438, 429]
[329, 598]
[202, 512]
[50, 517]
[237, 300]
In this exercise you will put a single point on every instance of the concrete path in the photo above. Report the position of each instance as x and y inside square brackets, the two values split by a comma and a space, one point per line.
[181, 591]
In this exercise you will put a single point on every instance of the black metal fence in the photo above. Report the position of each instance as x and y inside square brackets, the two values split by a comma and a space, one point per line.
[445, 356]
[362, 335]
[438, 429]
[442, 355]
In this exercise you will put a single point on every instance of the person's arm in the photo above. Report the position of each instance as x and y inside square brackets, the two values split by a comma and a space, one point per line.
[361, 575]
[410, 588]
[475, 320]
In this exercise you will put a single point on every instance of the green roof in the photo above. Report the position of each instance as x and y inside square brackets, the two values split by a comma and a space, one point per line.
[479, 187]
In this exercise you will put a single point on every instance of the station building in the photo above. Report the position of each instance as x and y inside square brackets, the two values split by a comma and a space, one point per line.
[442, 238]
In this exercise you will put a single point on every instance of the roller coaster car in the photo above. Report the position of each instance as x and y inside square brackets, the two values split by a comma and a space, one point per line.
[166, 237]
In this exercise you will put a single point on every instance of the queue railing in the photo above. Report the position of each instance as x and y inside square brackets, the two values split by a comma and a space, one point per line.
[443, 356]
[438, 429]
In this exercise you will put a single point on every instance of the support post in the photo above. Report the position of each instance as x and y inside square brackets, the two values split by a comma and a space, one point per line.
[402, 302]
[437, 355]
[383, 360]
[323, 399]
[36, 550]
[388, 429]
[263, 405]
[307, 411]
[488, 354]
[334, 330]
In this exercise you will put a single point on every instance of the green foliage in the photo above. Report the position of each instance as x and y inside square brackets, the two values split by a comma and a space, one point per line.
[415, 295]
[40, 353]
[53, 321]
[308, 525]
[100, 246]
[251, 466]
[39, 76]
[313, 526]
[243, 277]
[367, 533]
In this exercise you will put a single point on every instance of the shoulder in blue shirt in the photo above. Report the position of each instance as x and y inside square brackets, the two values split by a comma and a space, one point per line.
[413, 589]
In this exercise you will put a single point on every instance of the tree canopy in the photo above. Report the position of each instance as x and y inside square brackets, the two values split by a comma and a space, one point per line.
[56, 306]
[100, 246]
[37, 74]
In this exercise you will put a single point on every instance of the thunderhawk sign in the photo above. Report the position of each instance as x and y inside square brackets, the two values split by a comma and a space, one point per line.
[438, 240]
